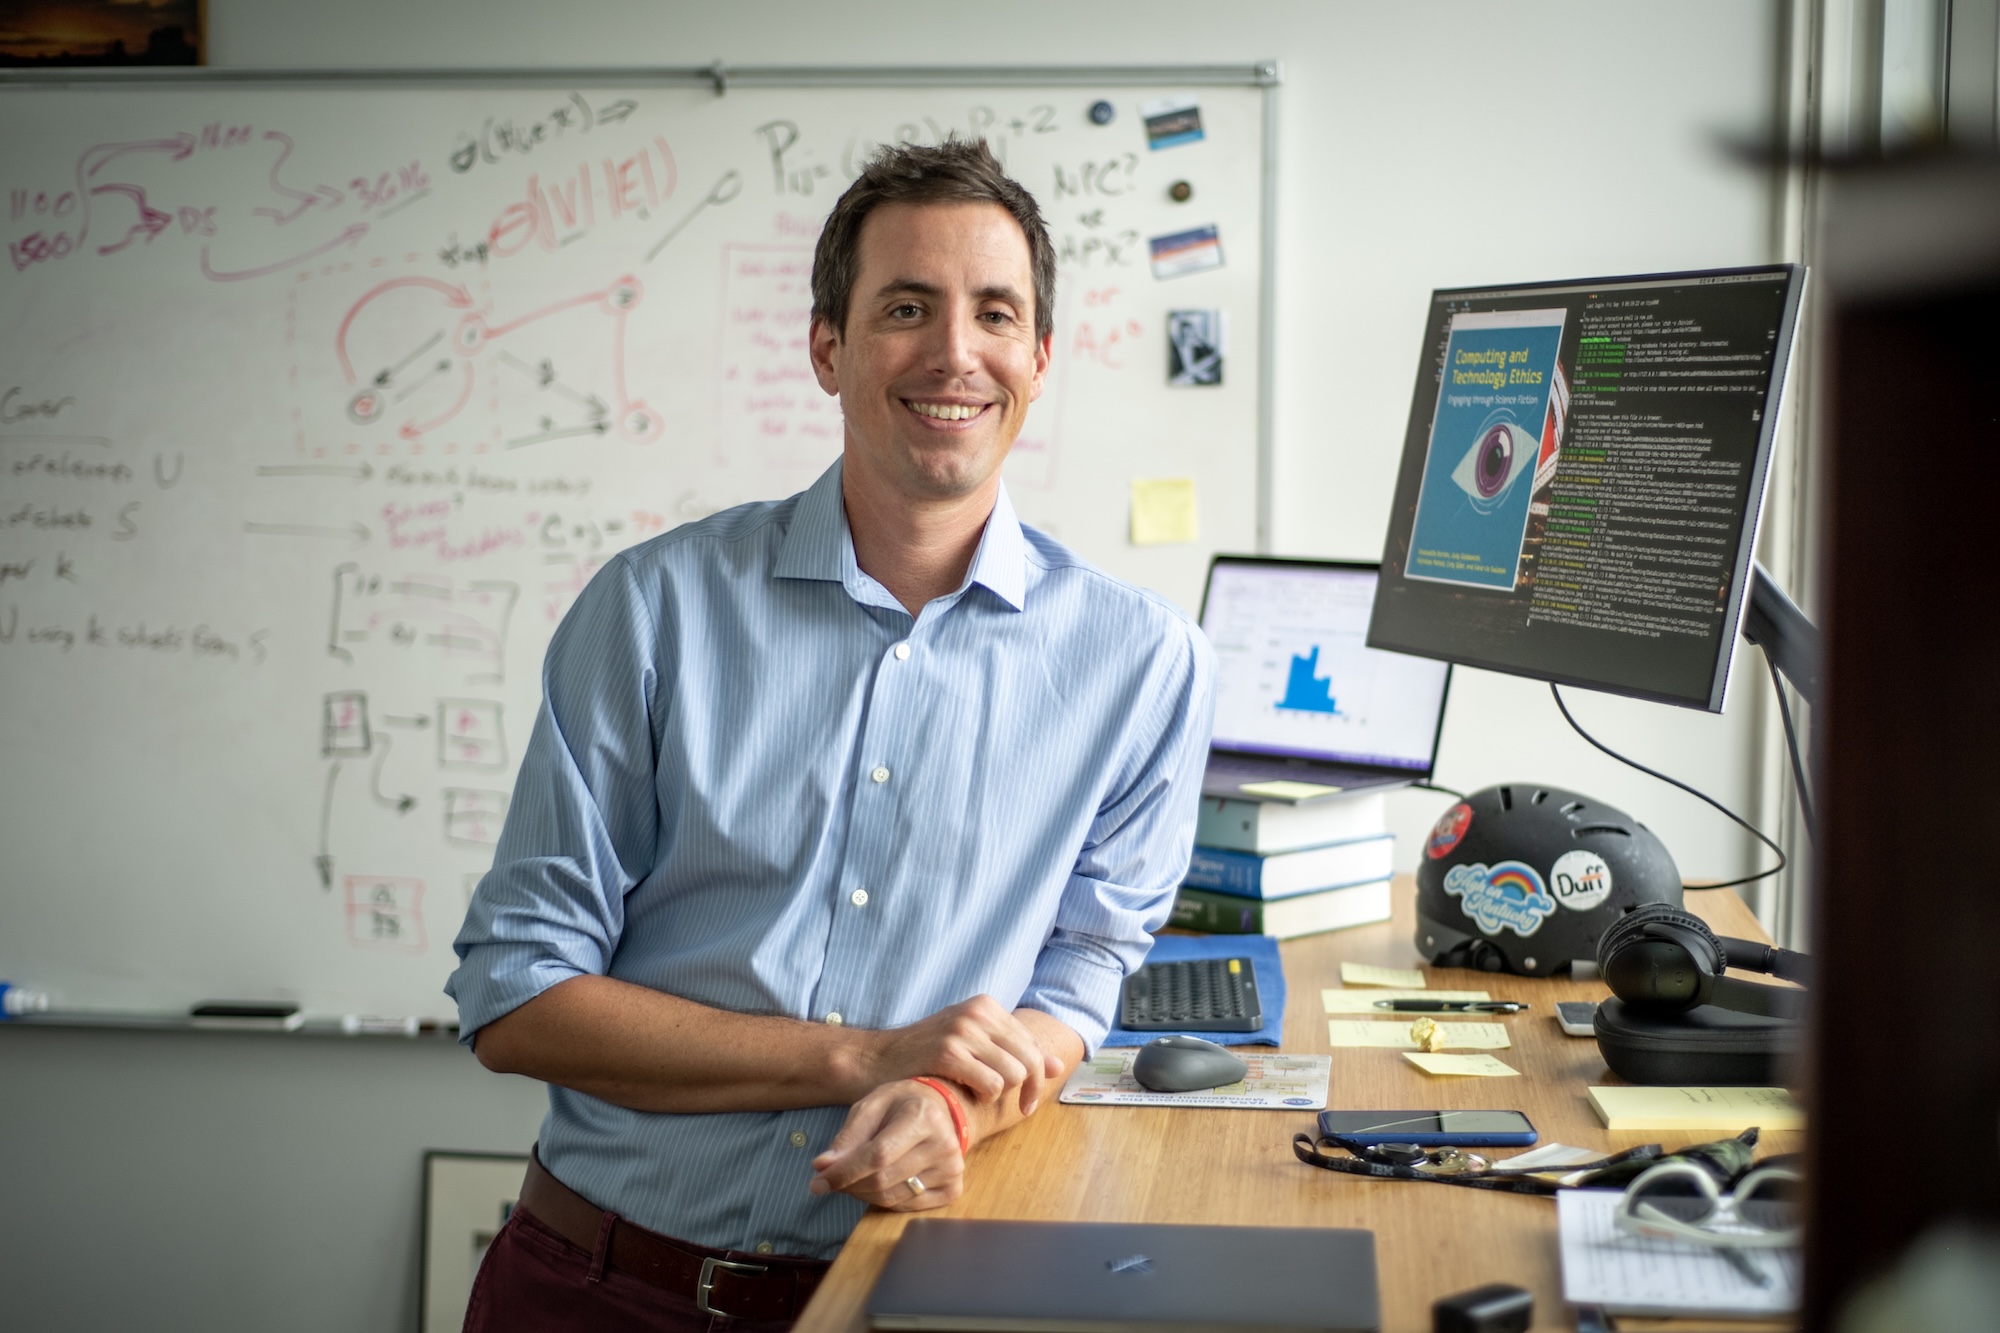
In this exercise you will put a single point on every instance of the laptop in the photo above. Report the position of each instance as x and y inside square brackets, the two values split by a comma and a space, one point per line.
[1301, 700]
[1109, 1277]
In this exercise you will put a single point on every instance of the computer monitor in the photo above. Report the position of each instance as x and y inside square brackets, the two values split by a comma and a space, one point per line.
[1581, 478]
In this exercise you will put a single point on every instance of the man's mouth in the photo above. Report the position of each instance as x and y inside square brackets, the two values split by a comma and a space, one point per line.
[946, 411]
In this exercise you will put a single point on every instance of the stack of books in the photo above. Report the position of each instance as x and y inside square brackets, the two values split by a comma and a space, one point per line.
[1269, 868]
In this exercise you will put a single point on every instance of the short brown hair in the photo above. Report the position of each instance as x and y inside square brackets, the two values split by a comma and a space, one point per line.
[957, 171]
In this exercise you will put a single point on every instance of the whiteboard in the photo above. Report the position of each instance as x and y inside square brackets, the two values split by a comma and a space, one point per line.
[319, 403]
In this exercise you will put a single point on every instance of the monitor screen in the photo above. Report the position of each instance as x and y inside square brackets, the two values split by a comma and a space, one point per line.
[1295, 677]
[1581, 478]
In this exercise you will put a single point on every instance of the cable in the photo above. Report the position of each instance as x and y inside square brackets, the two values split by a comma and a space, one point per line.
[1432, 786]
[1755, 832]
[1792, 748]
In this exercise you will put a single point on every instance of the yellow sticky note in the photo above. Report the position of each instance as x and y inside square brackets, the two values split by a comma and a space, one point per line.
[1367, 974]
[1162, 510]
[1395, 1035]
[1477, 1066]
[1284, 790]
[1725, 1110]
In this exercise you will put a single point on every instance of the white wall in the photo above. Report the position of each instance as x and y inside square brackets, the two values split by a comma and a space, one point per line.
[1424, 144]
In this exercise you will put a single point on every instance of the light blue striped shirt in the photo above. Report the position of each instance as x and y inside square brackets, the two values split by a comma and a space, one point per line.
[757, 783]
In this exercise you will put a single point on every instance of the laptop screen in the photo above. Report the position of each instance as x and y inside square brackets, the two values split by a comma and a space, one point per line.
[1295, 676]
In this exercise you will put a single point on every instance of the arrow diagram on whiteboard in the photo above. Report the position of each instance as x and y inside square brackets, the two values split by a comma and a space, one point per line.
[324, 861]
[178, 147]
[402, 804]
[351, 236]
[354, 532]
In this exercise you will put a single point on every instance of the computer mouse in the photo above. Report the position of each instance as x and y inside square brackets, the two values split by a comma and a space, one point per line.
[1183, 1064]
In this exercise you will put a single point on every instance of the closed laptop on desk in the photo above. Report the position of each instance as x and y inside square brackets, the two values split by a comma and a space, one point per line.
[1110, 1277]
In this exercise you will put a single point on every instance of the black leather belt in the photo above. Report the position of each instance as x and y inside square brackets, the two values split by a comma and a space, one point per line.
[724, 1282]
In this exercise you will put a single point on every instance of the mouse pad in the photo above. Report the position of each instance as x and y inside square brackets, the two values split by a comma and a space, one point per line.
[1274, 1083]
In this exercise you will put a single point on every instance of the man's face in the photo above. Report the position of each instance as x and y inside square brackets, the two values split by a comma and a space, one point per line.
[939, 359]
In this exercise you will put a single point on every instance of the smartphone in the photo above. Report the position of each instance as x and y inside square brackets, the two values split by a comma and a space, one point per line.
[1577, 1017]
[1465, 1129]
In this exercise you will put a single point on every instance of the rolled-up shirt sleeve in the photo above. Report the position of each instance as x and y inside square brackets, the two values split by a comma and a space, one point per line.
[1122, 887]
[583, 825]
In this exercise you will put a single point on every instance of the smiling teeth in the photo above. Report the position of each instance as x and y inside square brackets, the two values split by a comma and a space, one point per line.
[945, 411]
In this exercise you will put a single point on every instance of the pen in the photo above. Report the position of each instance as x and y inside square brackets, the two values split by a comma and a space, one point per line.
[1453, 1006]
[1741, 1263]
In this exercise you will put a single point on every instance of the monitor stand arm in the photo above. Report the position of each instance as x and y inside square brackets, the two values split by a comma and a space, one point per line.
[1790, 642]
[1774, 623]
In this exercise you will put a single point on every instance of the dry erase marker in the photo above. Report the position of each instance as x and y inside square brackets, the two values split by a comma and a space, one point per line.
[18, 1000]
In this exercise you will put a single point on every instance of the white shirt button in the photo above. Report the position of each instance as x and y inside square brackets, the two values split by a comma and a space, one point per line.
[902, 652]
[798, 1138]
[880, 774]
[765, 1247]
[834, 1019]
[859, 897]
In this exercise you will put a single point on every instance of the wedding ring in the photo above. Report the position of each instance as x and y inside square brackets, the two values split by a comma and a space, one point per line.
[916, 1186]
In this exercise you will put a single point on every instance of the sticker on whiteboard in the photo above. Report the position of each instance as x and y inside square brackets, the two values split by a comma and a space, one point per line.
[1186, 252]
[1580, 880]
[1194, 347]
[1171, 121]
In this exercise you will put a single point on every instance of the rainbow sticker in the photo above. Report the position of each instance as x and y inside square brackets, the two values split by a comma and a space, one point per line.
[1508, 896]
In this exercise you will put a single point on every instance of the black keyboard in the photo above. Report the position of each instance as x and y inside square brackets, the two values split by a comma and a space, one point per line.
[1194, 995]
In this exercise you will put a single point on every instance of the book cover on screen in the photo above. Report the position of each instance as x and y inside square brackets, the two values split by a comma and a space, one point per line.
[1495, 397]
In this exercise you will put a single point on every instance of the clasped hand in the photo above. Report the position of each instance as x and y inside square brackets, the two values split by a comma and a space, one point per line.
[903, 1130]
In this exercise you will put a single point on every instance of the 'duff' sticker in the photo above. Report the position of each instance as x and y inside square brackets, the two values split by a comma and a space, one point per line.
[1448, 831]
[1580, 880]
[1509, 896]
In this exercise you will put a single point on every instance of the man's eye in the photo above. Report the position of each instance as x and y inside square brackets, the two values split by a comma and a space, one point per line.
[907, 310]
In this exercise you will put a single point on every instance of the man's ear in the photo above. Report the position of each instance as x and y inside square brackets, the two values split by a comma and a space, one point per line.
[824, 343]
[1044, 349]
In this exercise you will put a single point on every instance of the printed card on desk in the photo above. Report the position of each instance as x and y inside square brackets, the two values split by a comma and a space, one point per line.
[1395, 1035]
[1274, 1083]
[1625, 1274]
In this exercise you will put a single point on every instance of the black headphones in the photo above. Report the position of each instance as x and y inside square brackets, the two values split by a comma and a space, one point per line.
[1662, 960]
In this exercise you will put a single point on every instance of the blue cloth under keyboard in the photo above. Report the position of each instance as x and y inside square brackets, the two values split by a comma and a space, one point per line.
[1261, 950]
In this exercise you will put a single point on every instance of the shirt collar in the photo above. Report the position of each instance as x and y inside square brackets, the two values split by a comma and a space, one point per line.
[818, 545]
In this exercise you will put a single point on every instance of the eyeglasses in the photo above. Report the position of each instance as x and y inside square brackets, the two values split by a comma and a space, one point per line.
[1656, 1205]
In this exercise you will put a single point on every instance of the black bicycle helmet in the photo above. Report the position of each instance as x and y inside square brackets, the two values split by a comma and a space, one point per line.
[1526, 879]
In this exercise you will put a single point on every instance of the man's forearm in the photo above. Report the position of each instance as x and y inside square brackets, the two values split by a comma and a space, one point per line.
[649, 1051]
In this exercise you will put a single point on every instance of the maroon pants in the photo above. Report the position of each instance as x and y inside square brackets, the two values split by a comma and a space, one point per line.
[535, 1281]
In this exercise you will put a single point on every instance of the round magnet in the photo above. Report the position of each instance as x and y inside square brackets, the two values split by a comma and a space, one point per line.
[1180, 192]
[1101, 112]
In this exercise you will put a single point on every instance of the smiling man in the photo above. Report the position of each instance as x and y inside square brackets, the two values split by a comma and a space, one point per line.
[843, 819]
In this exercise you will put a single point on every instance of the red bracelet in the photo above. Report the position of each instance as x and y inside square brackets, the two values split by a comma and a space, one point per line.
[957, 1111]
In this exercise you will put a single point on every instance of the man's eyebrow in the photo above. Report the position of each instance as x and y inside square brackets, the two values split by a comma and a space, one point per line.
[917, 287]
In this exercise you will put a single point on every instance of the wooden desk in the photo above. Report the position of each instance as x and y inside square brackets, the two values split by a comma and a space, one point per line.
[1144, 1164]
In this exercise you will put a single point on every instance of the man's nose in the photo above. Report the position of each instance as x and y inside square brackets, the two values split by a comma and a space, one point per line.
[953, 349]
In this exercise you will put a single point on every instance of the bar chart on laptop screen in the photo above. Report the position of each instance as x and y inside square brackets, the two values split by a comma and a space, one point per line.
[1295, 674]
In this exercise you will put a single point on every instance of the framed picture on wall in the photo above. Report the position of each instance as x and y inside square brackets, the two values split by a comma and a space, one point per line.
[44, 34]
[468, 1197]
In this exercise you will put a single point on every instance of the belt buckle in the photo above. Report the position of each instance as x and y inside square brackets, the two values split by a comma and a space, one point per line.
[706, 1282]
